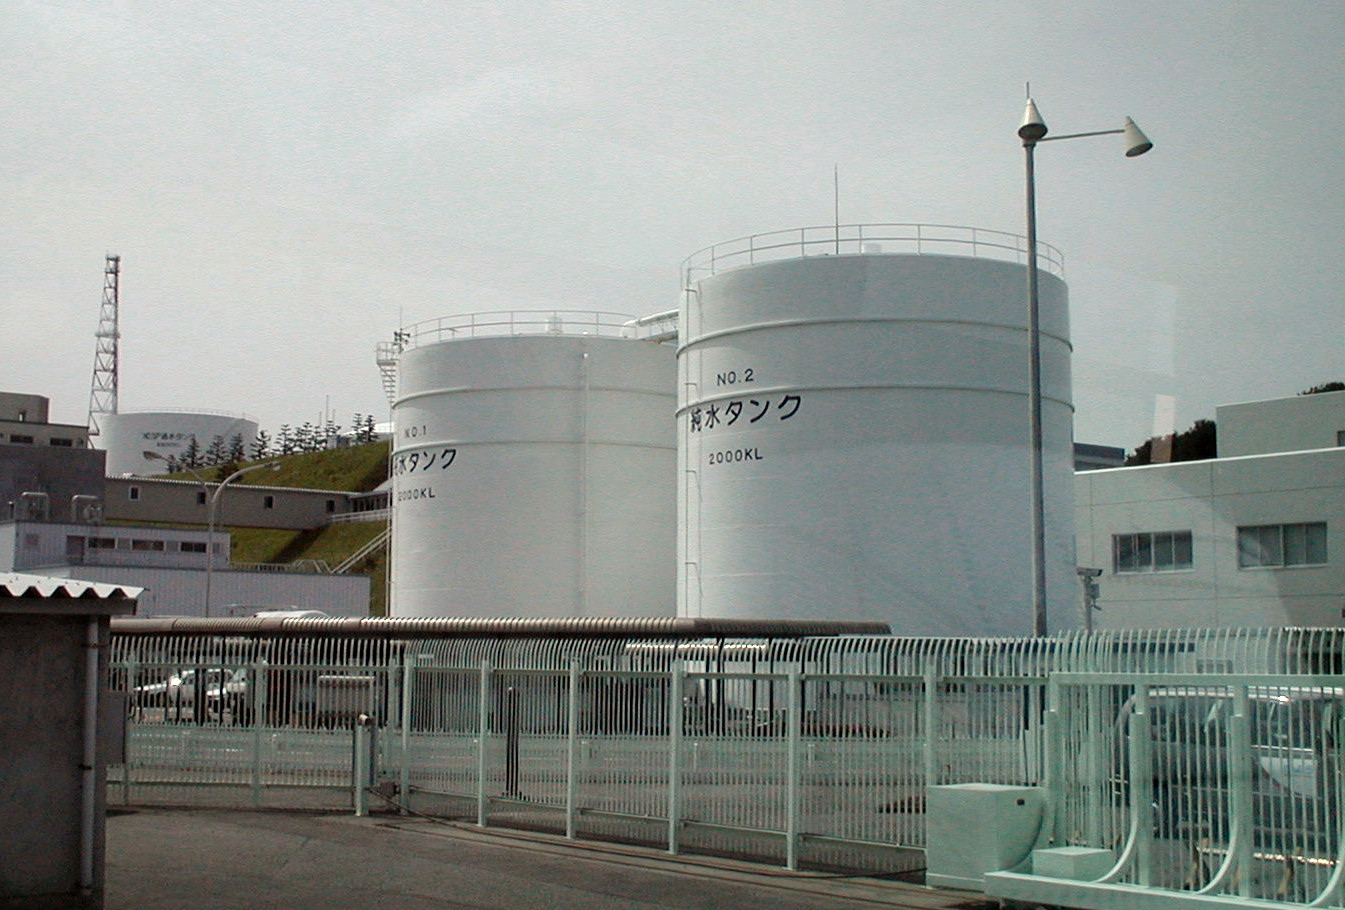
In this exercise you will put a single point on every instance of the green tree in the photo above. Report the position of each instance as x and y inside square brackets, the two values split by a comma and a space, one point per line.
[1194, 444]
[1324, 387]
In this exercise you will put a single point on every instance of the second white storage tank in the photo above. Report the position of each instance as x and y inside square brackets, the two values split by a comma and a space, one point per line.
[854, 440]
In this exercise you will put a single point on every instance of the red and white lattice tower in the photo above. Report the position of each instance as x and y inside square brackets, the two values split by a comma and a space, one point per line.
[103, 393]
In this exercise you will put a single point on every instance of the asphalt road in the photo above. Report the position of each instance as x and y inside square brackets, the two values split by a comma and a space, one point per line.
[165, 859]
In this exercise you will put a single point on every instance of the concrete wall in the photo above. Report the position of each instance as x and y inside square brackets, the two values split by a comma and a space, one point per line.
[1281, 424]
[19, 407]
[156, 499]
[1212, 499]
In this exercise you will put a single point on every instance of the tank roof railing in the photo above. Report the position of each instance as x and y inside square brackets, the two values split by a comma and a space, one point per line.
[193, 412]
[500, 323]
[867, 239]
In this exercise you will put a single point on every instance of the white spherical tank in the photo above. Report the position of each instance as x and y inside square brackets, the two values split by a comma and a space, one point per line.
[127, 436]
[533, 469]
[854, 440]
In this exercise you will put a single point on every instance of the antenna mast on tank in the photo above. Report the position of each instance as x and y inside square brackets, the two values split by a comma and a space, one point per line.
[103, 394]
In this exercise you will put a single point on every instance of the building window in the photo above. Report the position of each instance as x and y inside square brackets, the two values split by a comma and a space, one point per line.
[101, 543]
[200, 497]
[1274, 546]
[1151, 551]
[331, 505]
[192, 546]
[20, 440]
[147, 545]
[58, 441]
[1340, 437]
[31, 541]
[133, 493]
[268, 502]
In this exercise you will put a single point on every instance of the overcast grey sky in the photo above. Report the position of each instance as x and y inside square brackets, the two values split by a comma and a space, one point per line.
[285, 181]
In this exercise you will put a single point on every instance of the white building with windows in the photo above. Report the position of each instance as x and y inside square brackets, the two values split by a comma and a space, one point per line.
[170, 565]
[1255, 537]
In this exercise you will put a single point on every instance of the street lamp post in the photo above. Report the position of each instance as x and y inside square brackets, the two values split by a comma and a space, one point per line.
[1032, 131]
[212, 511]
[210, 521]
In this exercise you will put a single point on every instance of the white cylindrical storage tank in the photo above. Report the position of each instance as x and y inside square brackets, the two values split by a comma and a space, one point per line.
[127, 436]
[533, 469]
[854, 434]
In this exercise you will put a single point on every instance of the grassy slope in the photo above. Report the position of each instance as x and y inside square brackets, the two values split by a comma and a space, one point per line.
[356, 469]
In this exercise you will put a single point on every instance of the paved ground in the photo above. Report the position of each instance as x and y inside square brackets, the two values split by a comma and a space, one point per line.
[165, 859]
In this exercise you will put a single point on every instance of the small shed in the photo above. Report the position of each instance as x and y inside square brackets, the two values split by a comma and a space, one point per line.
[53, 740]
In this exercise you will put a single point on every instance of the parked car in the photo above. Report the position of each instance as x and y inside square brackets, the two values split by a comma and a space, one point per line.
[176, 694]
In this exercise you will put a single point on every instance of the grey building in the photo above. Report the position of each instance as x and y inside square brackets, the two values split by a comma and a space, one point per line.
[47, 470]
[243, 505]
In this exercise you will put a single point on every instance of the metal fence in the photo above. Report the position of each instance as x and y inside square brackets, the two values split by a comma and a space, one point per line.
[1207, 762]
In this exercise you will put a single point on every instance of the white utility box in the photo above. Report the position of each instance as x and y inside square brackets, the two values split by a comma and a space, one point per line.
[972, 829]
[1085, 864]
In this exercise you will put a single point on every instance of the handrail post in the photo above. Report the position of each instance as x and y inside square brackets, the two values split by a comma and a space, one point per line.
[572, 752]
[408, 686]
[483, 733]
[794, 724]
[676, 685]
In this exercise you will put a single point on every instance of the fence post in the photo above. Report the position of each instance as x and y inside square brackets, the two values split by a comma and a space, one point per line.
[794, 724]
[483, 733]
[1054, 736]
[404, 773]
[511, 743]
[359, 766]
[572, 751]
[132, 672]
[931, 722]
[676, 686]
[256, 695]
[1095, 763]
[1141, 784]
[1240, 775]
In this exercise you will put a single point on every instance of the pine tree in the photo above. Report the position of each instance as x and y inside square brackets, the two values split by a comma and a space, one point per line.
[261, 446]
[215, 454]
[191, 455]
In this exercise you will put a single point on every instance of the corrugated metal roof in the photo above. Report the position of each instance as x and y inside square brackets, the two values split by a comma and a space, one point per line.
[15, 584]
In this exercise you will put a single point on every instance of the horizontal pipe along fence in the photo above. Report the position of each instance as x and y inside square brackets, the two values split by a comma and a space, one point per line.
[1206, 762]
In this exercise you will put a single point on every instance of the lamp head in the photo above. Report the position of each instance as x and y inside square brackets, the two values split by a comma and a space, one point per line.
[1033, 127]
[1136, 142]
